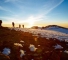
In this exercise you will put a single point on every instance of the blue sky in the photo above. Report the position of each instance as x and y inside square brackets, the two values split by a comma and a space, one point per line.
[34, 12]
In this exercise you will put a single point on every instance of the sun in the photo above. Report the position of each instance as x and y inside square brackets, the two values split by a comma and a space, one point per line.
[30, 23]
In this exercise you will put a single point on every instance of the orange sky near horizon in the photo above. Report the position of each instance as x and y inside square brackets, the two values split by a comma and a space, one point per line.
[40, 25]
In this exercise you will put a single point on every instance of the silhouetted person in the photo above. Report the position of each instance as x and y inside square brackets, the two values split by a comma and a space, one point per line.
[13, 24]
[19, 26]
[0, 23]
[23, 26]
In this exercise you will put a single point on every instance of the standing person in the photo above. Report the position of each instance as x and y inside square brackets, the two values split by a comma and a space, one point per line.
[13, 24]
[0, 23]
[23, 26]
[19, 26]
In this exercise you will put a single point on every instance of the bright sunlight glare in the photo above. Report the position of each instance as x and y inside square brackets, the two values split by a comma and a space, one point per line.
[30, 21]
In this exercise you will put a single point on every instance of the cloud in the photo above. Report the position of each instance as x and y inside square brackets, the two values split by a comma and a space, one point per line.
[1, 8]
[17, 3]
[56, 4]
[6, 9]
[11, 0]
[7, 0]
[27, 20]
[44, 10]
[49, 6]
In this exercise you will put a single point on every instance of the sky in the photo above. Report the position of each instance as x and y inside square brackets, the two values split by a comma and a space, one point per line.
[34, 12]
